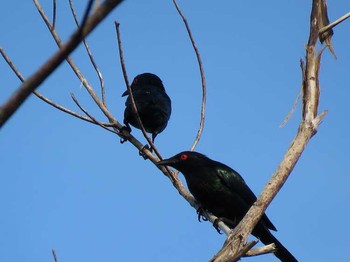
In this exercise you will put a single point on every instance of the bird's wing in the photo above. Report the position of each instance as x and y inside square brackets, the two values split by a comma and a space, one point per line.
[231, 179]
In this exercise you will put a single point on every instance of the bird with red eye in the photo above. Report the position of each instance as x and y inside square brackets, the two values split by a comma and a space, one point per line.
[222, 191]
[184, 156]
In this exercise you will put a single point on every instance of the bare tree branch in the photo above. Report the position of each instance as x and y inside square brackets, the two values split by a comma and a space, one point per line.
[76, 70]
[54, 255]
[335, 23]
[204, 88]
[291, 112]
[22, 93]
[98, 72]
[134, 107]
[236, 241]
[43, 98]
[54, 9]
[91, 117]
[261, 250]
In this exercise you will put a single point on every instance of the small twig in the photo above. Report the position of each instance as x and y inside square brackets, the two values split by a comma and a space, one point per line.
[204, 92]
[76, 70]
[271, 248]
[291, 112]
[98, 72]
[40, 96]
[134, 107]
[300, 94]
[336, 22]
[54, 255]
[54, 14]
[22, 93]
[86, 14]
[91, 117]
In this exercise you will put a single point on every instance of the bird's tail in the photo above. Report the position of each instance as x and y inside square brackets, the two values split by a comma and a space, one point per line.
[282, 253]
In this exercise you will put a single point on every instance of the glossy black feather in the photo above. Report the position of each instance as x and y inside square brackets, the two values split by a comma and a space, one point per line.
[152, 102]
[223, 191]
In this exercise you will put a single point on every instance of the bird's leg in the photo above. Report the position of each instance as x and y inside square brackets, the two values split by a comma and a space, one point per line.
[124, 128]
[200, 215]
[153, 137]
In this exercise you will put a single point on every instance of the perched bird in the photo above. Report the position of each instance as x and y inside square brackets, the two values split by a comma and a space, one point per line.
[222, 191]
[152, 103]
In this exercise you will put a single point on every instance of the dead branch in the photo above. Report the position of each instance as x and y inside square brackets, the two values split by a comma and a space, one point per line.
[76, 70]
[201, 69]
[261, 250]
[335, 23]
[54, 9]
[54, 255]
[40, 96]
[22, 93]
[91, 117]
[92, 60]
[236, 241]
[134, 107]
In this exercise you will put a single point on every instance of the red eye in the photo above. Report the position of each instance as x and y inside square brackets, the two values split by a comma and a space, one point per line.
[135, 81]
[184, 157]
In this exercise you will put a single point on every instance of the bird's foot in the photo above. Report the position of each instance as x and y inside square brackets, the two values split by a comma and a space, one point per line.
[141, 152]
[216, 225]
[124, 128]
[200, 215]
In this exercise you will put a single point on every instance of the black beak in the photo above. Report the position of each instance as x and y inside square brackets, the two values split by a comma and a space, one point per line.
[165, 162]
[126, 93]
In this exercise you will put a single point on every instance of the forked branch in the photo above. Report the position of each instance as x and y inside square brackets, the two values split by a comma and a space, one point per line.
[22, 93]
[236, 241]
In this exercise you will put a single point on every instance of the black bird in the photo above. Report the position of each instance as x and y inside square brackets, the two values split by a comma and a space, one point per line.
[222, 191]
[153, 104]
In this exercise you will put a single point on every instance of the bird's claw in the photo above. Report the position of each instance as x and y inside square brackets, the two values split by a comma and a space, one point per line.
[216, 225]
[124, 128]
[200, 215]
[141, 153]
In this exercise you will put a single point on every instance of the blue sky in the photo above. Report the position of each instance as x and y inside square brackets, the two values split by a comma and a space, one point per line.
[71, 186]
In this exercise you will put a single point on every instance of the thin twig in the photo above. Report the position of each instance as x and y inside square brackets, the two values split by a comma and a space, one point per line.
[201, 69]
[76, 70]
[336, 22]
[300, 94]
[291, 112]
[98, 72]
[134, 107]
[172, 176]
[271, 248]
[91, 117]
[42, 97]
[86, 14]
[22, 93]
[54, 14]
[54, 255]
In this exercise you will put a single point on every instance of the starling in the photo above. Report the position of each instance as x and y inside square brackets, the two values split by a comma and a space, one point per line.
[223, 192]
[152, 103]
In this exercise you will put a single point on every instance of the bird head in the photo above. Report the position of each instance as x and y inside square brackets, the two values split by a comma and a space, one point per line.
[184, 161]
[145, 79]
